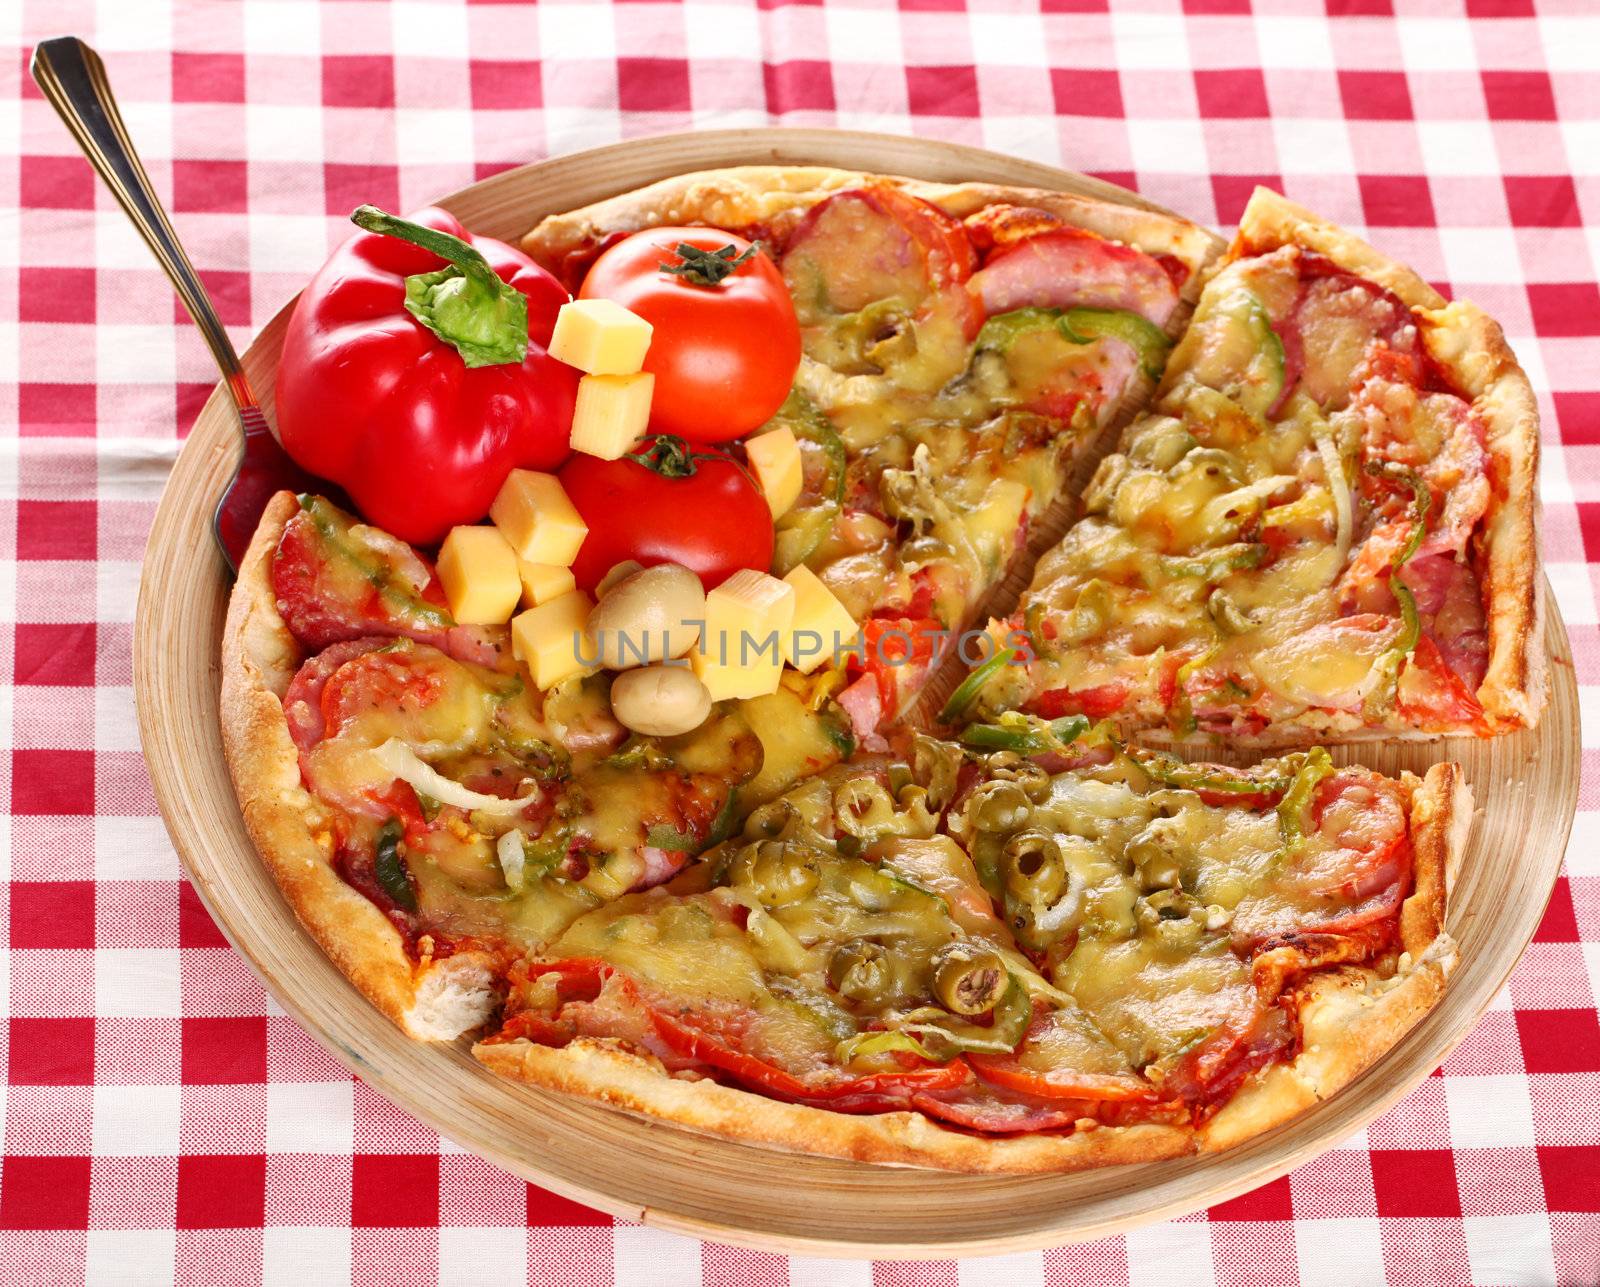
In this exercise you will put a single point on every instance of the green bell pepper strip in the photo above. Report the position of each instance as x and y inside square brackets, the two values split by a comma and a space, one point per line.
[940, 1042]
[1079, 326]
[389, 867]
[838, 732]
[665, 836]
[1001, 331]
[1025, 735]
[1173, 772]
[1181, 716]
[1214, 565]
[1033, 624]
[967, 690]
[1140, 334]
[1297, 799]
[1261, 378]
[865, 1044]
[807, 423]
[1405, 643]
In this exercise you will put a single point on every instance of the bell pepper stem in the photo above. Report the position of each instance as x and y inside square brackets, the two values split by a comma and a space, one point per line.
[465, 304]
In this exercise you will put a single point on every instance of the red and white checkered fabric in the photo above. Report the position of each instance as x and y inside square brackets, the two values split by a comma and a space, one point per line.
[163, 1120]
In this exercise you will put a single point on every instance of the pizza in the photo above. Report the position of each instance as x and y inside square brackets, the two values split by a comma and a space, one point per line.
[963, 346]
[752, 897]
[1324, 529]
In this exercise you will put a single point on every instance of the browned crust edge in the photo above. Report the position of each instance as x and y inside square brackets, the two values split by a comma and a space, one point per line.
[259, 657]
[1350, 1017]
[777, 196]
[1469, 344]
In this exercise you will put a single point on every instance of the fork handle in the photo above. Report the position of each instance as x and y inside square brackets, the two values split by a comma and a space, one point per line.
[73, 79]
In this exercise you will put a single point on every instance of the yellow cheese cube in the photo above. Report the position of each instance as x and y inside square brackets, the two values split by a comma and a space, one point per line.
[741, 648]
[478, 570]
[600, 337]
[611, 413]
[542, 582]
[822, 629]
[775, 457]
[549, 640]
[533, 512]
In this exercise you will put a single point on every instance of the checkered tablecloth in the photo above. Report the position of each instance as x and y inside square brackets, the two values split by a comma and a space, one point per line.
[162, 1118]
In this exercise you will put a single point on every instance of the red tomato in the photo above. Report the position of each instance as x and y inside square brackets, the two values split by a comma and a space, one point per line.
[723, 354]
[896, 647]
[664, 503]
[1430, 693]
[302, 703]
[397, 682]
[1096, 702]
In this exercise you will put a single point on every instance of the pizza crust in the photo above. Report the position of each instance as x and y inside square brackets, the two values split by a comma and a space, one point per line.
[1469, 344]
[769, 200]
[1350, 1017]
[433, 1001]
[602, 1070]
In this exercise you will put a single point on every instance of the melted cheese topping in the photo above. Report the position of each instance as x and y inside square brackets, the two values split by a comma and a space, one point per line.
[1141, 949]
[1219, 580]
[951, 450]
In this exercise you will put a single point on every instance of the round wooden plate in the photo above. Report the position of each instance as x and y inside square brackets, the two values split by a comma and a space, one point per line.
[1526, 788]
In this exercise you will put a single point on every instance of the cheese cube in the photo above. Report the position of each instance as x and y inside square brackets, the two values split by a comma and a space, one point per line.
[600, 337]
[533, 512]
[550, 641]
[741, 648]
[478, 570]
[822, 628]
[542, 582]
[611, 413]
[775, 457]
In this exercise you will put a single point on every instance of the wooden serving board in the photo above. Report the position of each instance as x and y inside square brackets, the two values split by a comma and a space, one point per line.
[1526, 788]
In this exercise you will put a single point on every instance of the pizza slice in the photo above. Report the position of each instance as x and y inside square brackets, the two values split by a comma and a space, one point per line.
[987, 960]
[1325, 529]
[963, 346]
[429, 813]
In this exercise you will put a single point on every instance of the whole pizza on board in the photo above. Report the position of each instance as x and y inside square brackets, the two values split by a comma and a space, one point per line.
[755, 897]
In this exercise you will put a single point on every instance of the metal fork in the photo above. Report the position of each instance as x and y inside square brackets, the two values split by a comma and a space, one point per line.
[73, 79]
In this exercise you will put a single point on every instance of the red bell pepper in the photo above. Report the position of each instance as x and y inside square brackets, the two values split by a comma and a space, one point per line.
[414, 372]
